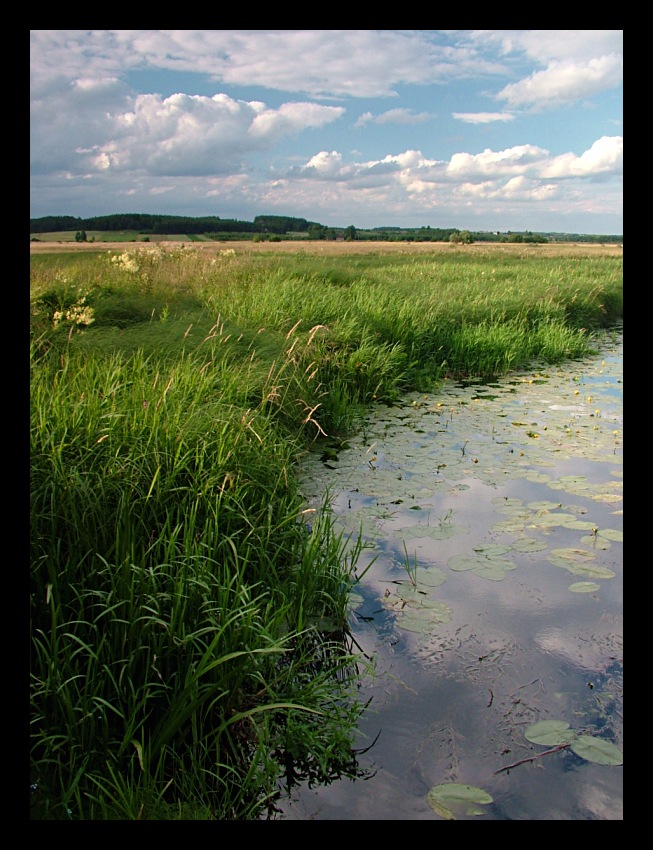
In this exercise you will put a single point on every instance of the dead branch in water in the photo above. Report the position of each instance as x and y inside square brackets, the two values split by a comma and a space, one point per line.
[532, 758]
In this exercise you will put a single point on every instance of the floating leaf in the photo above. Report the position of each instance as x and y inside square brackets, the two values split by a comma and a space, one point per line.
[528, 544]
[492, 549]
[461, 563]
[444, 532]
[584, 587]
[509, 526]
[574, 554]
[430, 576]
[572, 479]
[551, 519]
[492, 572]
[438, 532]
[423, 619]
[549, 733]
[537, 477]
[591, 571]
[411, 594]
[596, 542]
[580, 524]
[597, 750]
[414, 623]
[444, 798]
[611, 534]
[441, 810]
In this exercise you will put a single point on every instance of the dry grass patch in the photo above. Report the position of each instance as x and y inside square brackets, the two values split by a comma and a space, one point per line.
[344, 248]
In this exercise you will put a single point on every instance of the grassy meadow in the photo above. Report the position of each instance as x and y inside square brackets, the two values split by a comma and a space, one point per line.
[190, 653]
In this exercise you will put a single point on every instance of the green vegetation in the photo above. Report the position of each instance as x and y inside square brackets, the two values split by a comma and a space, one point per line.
[275, 228]
[190, 652]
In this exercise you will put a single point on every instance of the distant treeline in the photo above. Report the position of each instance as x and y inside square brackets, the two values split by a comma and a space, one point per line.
[168, 224]
[266, 226]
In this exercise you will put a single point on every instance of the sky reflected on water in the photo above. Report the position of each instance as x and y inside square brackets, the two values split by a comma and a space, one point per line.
[508, 498]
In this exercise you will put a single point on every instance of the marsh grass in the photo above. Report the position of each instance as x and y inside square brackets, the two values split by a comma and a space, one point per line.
[189, 643]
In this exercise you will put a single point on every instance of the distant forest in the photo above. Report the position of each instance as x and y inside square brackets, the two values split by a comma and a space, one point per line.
[276, 227]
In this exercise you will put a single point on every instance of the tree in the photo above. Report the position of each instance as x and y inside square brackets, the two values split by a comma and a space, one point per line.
[463, 236]
[80, 236]
[350, 233]
[317, 231]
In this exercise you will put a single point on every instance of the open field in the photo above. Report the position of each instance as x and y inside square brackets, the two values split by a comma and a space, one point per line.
[340, 248]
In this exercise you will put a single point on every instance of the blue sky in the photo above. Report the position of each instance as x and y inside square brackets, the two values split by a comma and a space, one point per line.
[477, 129]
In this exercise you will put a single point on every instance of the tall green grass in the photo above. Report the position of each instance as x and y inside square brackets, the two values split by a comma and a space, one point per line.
[189, 640]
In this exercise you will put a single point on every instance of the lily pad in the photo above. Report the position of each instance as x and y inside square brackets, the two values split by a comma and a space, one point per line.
[528, 544]
[462, 563]
[550, 520]
[453, 796]
[537, 477]
[492, 571]
[549, 733]
[597, 750]
[430, 576]
[492, 549]
[574, 554]
[506, 501]
[580, 524]
[584, 587]
[588, 570]
[354, 600]
[611, 534]
[423, 619]
[596, 542]
[509, 526]
[444, 532]
[414, 623]
[591, 571]
[610, 498]
[544, 506]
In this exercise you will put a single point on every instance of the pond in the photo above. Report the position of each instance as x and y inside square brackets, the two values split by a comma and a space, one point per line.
[491, 601]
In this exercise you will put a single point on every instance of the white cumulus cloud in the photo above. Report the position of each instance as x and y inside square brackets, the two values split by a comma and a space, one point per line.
[193, 135]
[512, 160]
[394, 116]
[604, 157]
[564, 81]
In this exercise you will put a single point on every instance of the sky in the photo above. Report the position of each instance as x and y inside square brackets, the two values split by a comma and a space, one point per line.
[484, 130]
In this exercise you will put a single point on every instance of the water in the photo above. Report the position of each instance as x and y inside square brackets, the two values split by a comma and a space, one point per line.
[494, 599]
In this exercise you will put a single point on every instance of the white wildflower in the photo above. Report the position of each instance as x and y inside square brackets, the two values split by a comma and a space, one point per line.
[126, 261]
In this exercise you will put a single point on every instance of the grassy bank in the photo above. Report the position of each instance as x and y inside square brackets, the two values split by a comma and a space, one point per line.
[190, 651]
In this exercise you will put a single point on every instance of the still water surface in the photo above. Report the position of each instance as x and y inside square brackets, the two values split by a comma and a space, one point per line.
[494, 523]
